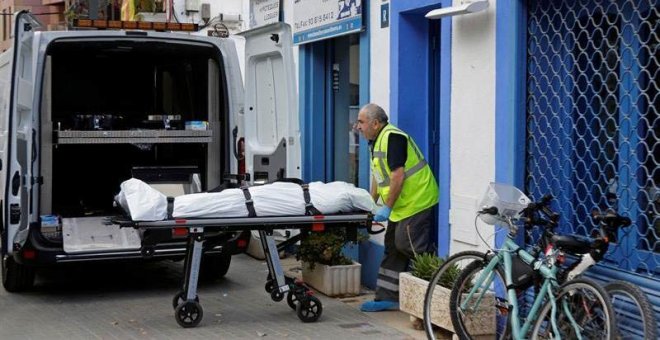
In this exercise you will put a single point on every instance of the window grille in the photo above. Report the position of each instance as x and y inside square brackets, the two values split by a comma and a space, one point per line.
[593, 118]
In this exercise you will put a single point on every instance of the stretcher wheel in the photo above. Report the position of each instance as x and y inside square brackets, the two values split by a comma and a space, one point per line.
[292, 300]
[309, 309]
[269, 286]
[276, 295]
[179, 297]
[188, 314]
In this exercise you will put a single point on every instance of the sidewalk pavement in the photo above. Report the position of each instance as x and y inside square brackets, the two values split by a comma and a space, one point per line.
[395, 319]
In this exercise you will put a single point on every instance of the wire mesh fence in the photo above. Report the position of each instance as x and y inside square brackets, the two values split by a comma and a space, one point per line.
[593, 118]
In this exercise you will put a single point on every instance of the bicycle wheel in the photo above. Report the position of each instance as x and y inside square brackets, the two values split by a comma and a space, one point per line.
[633, 312]
[434, 299]
[486, 312]
[584, 302]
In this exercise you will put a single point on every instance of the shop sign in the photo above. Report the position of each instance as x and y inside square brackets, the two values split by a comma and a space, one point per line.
[322, 19]
[264, 12]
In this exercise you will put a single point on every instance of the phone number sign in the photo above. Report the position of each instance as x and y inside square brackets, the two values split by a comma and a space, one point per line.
[322, 19]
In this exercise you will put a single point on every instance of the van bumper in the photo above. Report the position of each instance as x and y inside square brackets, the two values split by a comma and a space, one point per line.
[37, 251]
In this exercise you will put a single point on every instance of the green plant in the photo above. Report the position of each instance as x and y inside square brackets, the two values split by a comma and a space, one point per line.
[425, 265]
[326, 247]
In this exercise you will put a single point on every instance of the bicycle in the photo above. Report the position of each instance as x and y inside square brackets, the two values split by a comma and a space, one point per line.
[433, 301]
[456, 262]
[633, 312]
[579, 308]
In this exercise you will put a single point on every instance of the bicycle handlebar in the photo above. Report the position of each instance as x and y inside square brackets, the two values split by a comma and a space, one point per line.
[611, 219]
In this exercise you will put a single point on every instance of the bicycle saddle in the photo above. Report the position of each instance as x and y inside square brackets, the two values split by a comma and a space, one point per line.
[571, 244]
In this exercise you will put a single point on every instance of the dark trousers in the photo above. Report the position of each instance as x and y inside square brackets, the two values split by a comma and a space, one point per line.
[400, 240]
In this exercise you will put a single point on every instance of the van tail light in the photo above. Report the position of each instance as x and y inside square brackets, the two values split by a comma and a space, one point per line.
[29, 254]
[179, 232]
[241, 243]
[241, 156]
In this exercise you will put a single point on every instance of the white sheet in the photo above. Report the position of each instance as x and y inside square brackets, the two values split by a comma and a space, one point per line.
[275, 199]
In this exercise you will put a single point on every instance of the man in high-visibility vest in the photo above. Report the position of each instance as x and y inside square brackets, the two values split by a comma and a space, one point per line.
[405, 183]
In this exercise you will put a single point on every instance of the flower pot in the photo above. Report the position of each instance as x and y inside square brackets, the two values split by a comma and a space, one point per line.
[411, 300]
[334, 280]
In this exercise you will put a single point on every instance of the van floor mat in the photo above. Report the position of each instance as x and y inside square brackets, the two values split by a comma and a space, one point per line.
[88, 234]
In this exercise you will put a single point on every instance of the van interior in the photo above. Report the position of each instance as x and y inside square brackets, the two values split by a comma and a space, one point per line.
[114, 108]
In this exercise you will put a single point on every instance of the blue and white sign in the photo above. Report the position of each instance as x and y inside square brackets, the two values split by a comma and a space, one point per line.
[264, 12]
[322, 19]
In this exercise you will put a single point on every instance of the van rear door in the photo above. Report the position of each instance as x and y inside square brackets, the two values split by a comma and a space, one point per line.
[21, 149]
[272, 135]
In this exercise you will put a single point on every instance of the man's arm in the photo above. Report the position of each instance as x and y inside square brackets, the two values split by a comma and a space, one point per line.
[374, 190]
[396, 183]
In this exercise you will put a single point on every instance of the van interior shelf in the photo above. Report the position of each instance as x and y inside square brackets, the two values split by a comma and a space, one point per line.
[133, 136]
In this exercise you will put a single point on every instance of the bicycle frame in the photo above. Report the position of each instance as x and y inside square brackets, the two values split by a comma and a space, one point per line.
[548, 272]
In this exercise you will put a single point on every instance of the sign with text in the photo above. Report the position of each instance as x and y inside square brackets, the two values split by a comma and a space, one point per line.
[264, 12]
[322, 19]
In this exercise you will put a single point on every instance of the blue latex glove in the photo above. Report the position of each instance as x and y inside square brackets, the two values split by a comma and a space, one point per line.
[383, 214]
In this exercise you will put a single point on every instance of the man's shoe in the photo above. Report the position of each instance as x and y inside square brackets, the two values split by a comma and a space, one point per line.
[379, 306]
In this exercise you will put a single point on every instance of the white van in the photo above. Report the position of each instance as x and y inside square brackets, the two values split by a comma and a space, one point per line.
[83, 111]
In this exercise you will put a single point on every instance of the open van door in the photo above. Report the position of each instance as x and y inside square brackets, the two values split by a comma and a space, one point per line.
[272, 135]
[20, 155]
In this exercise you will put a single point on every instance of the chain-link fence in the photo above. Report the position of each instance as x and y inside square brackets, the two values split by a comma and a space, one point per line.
[593, 118]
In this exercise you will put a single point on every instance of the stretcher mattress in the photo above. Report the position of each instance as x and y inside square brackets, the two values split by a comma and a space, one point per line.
[275, 199]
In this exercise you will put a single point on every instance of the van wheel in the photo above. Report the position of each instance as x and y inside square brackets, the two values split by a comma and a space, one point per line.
[16, 277]
[214, 267]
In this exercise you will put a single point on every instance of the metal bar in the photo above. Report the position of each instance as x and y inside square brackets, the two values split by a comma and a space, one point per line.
[192, 268]
[273, 258]
[252, 223]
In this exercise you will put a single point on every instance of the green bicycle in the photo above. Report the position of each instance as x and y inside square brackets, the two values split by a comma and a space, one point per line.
[486, 298]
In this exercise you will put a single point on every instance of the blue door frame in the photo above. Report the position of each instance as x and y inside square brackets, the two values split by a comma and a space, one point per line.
[411, 90]
[314, 88]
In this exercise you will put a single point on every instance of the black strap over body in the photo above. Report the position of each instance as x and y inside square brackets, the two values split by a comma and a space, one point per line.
[248, 202]
[310, 210]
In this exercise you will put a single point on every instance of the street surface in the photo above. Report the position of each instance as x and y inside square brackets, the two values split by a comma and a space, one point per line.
[133, 301]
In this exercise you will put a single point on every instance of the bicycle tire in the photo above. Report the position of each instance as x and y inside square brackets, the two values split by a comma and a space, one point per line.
[435, 279]
[463, 324]
[603, 327]
[625, 295]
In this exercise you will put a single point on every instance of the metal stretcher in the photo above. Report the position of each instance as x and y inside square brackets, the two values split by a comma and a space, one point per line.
[188, 311]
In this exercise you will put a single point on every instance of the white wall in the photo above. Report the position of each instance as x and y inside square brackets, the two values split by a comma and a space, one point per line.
[379, 71]
[472, 123]
[379, 68]
[217, 7]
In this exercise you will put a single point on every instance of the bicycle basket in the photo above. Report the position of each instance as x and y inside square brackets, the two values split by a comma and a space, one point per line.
[508, 200]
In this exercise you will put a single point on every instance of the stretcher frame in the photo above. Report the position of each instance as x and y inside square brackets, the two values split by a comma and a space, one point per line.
[188, 311]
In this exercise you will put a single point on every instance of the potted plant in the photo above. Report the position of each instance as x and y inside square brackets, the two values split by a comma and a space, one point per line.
[413, 286]
[324, 265]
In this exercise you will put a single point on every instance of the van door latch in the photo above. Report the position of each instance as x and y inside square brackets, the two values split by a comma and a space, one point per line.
[38, 180]
[14, 213]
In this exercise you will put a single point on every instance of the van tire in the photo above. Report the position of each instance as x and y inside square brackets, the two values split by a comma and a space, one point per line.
[16, 277]
[214, 267]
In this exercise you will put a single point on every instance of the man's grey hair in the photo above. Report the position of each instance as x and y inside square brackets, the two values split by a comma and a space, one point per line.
[373, 111]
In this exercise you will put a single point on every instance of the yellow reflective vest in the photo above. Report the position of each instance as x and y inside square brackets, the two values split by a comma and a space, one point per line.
[419, 191]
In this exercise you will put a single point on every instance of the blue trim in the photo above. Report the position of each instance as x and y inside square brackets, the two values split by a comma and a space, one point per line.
[371, 255]
[510, 95]
[329, 110]
[311, 69]
[365, 83]
[409, 90]
[444, 178]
